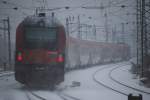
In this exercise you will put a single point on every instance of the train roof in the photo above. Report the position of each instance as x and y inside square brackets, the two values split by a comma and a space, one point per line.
[43, 21]
[95, 43]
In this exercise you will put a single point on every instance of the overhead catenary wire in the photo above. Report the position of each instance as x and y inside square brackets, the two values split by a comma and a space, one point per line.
[77, 7]
[17, 5]
[51, 9]
[71, 8]
[112, 12]
[119, 2]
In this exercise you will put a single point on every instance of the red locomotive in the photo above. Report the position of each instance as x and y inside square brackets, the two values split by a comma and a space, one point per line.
[40, 50]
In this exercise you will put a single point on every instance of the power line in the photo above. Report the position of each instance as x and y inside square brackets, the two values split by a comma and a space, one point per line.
[113, 13]
[17, 5]
[77, 7]
[118, 3]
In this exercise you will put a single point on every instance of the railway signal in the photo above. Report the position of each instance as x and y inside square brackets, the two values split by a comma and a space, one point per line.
[131, 97]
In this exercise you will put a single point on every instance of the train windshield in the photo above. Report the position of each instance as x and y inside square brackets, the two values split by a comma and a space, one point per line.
[41, 38]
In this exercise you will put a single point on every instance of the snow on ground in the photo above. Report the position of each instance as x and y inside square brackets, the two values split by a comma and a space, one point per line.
[123, 75]
[107, 81]
[10, 89]
[88, 89]
[5, 73]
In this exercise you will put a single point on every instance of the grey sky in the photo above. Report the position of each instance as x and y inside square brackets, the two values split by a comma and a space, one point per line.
[116, 14]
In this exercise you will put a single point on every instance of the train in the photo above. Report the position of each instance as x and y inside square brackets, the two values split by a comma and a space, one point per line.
[44, 51]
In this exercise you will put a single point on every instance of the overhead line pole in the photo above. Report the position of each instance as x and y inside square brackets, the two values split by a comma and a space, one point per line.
[9, 41]
[142, 35]
[79, 32]
[7, 28]
[106, 26]
[5, 44]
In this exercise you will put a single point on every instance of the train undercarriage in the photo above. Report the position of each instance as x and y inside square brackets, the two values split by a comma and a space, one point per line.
[39, 74]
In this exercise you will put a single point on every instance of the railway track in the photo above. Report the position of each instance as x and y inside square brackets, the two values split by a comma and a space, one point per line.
[29, 93]
[126, 87]
[103, 84]
[60, 94]
[112, 78]
[66, 96]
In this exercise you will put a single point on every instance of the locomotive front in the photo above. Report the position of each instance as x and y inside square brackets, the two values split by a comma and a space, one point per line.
[40, 51]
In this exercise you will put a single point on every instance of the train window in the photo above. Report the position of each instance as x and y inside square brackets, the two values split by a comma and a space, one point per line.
[41, 38]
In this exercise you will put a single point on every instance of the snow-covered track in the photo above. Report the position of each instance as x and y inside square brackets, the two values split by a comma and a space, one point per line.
[6, 73]
[28, 96]
[112, 78]
[66, 96]
[103, 84]
[123, 89]
[30, 93]
[60, 94]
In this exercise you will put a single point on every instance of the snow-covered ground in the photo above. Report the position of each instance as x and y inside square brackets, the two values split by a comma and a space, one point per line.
[90, 90]
[87, 90]
[123, 75]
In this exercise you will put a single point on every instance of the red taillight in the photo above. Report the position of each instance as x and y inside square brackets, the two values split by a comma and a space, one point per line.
[60, 58]
[19, 56]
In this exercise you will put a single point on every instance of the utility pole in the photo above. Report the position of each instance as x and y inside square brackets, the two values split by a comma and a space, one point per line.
[86, 31]
[67, 27]
[142, 35]
[7, 21]
[79, 37]
[94, 26]
[139, 26]
[106, 26]
[67, 42]
[5, 45]
[79, 32]
[89, 31]
[123, 39]
[114, 34]
[9, 41]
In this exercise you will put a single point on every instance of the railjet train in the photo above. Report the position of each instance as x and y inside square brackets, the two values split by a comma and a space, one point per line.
[44, 51]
